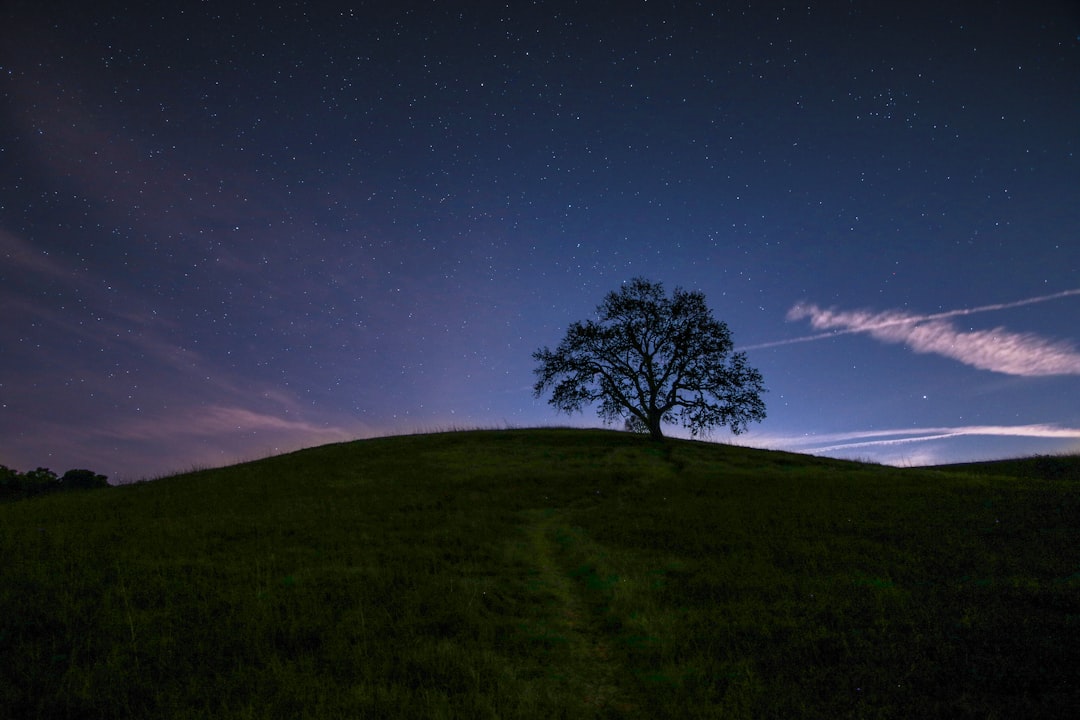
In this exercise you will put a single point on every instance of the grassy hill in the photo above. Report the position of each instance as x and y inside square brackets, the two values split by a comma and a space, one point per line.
[1048, 467]
[544, 573]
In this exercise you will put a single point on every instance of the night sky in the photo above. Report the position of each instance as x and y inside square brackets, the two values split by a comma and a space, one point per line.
[230, 230]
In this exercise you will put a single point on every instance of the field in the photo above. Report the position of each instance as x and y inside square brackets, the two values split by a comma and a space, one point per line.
[546, 574]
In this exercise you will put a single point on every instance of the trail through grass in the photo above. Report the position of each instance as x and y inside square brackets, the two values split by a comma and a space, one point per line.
[545, 574]
[590, 671]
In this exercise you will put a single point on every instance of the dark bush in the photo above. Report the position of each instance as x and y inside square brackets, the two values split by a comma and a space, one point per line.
[83, 479]
[15, 485]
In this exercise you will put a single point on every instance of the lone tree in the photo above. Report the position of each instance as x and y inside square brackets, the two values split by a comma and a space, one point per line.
[651, 359]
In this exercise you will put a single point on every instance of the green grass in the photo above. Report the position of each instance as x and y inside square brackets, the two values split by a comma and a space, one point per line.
[1055, 467]
[546, 574]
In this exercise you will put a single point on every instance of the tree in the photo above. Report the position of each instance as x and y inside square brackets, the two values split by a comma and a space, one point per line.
[651, 359]
[15, 485]
[42, 480]
[80, 479]
[10, 482]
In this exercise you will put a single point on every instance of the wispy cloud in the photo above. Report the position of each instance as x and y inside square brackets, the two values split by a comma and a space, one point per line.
[877, 438]
[23, 257]
[130, 447]
[219, 420]
[998, 350]
[877, 443]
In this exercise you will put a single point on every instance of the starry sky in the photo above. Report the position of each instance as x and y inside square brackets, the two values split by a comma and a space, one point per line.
[229, 230]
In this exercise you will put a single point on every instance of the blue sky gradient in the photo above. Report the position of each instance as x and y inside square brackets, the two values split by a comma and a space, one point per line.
[233, 230]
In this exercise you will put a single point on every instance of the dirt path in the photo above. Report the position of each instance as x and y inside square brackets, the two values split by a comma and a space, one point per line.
[592, 670]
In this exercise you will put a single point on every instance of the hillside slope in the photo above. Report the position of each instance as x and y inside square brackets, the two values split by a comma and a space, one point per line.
[544, 573]
[1047, 467]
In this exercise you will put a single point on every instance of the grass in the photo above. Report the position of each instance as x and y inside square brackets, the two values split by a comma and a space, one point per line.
[545, 573]
[1055, 467]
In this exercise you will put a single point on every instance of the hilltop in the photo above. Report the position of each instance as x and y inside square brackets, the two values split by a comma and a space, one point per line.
[545, 573]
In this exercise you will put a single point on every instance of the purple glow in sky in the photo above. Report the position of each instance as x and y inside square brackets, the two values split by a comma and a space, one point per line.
[229, 230]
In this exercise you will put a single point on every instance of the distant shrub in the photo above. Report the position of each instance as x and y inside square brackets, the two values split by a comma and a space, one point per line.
[83, 479]
[15, 485]
[9, 480]
[39, 481]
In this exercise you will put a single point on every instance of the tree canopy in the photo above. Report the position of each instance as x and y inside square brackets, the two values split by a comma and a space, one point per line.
[652, 359]
[15, 485]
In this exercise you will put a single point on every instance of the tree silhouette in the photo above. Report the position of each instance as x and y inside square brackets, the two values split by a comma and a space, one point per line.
[80, 479]
[15, 485]
[651, 359]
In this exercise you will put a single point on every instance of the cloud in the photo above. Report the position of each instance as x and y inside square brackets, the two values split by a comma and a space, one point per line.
[905, 441]
[998, 350]
[877, 438]
[219, 420]
[24, 257]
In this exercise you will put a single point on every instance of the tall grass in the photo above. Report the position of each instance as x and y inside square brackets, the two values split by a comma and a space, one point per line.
[544, 573]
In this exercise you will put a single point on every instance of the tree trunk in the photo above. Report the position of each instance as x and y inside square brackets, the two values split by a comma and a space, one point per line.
[654, 427]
